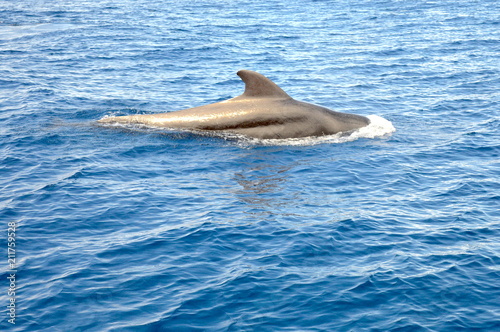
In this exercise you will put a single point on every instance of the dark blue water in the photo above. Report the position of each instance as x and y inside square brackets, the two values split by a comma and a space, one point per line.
[145, 230]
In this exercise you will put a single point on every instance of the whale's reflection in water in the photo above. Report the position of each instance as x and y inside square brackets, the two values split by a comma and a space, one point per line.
[271, 185]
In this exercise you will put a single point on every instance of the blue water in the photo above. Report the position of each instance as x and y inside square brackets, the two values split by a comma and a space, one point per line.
[128, 229]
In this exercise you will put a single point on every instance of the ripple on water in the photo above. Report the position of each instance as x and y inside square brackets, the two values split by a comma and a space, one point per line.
[144, 229]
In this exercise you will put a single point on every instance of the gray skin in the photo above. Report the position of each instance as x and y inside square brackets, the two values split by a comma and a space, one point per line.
[263, 111]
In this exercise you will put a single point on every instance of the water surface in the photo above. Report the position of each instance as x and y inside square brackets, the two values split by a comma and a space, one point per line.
[147, 230]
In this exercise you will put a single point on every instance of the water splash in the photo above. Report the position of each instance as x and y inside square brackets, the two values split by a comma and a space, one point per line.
[378, 127]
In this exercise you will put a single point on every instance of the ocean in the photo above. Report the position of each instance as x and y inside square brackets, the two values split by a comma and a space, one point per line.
[392, 228]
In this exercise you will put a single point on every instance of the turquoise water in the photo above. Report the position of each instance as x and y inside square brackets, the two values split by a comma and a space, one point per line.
[136, 229]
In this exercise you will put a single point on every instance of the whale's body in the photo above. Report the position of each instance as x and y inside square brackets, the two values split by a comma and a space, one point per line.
[263, 111]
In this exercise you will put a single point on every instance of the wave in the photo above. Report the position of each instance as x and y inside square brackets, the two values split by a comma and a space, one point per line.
[378, 127]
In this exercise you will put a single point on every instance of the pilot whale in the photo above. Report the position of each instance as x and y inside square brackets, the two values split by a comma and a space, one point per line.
[263, 111]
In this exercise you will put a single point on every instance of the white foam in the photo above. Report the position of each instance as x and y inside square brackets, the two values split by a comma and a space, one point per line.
[378, 127]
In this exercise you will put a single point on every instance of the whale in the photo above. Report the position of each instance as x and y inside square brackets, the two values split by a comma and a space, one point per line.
[263, 111]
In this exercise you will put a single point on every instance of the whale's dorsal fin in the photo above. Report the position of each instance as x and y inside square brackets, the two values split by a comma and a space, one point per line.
[257, 85]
